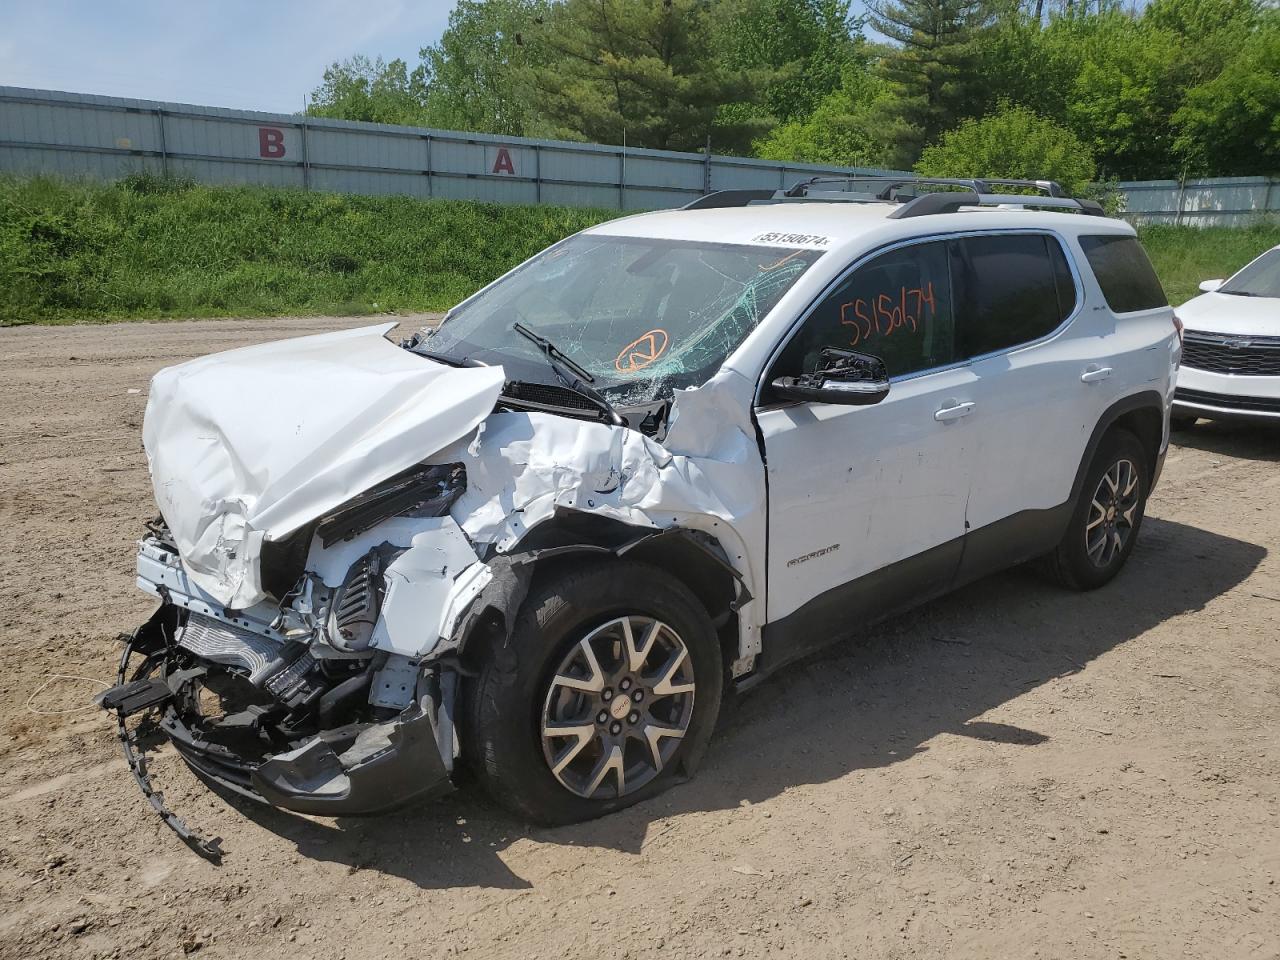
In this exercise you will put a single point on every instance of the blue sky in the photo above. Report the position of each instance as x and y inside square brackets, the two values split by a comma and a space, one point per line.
[262, 55]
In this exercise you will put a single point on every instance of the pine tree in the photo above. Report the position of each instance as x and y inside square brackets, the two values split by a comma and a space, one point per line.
[643, 70]
[929, 70]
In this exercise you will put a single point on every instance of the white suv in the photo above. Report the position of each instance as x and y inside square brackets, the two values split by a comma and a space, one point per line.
[1231, 359]
[672, 452]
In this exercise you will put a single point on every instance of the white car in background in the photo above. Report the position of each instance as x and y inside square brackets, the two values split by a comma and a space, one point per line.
[1231, 355]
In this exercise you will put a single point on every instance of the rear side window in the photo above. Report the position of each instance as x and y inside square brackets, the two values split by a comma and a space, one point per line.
[1013, 288]
[1124, 272]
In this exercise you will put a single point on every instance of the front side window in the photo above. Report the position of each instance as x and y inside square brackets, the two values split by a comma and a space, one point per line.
[896, 306]
[1124, 273]
[644, 316]
[1259, 279]
[1013, 288]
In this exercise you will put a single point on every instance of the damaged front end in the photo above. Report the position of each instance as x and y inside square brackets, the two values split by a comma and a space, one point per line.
[304, 703]
[323, 573]
[298, 709]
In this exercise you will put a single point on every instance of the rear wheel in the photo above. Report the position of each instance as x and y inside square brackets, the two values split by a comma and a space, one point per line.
[1104, 525]
[609, 684]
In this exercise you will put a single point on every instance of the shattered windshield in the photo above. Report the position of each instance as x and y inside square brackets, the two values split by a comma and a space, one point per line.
[643, 316]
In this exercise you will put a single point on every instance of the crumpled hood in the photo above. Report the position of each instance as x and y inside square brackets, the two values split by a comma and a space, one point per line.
[249, 445]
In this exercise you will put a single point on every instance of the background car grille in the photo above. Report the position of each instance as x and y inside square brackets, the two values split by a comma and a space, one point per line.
[1228, 402]
[1242, 355]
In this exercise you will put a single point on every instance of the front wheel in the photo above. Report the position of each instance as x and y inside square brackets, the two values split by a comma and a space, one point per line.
[1104, 524]
[608, 685]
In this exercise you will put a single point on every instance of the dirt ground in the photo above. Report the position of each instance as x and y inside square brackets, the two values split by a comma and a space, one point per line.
[1013, 771]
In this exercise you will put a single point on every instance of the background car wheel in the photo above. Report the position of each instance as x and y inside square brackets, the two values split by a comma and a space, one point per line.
[1105, 522]
[609, 684]
[1182, 422]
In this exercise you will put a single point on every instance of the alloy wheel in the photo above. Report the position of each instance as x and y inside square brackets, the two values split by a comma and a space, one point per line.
[617, 707]
[1112, 513]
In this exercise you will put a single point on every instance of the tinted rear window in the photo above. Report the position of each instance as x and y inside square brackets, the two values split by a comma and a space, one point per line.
[1014, 288]
[1126, 276]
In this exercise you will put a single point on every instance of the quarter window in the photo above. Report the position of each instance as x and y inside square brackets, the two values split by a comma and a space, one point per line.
[1011, 289]
[1124, 273]
[896, 307]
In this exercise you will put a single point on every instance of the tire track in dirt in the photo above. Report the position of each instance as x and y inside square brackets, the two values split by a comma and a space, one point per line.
[1011, 770]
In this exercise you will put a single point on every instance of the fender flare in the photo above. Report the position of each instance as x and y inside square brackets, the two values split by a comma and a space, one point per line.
[498, 604]
[1143, 400]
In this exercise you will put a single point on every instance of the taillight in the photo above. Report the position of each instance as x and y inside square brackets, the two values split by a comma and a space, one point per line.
[1177, 326]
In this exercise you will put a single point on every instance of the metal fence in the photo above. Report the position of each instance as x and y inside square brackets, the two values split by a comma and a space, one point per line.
[80, 135]
[1215, 202]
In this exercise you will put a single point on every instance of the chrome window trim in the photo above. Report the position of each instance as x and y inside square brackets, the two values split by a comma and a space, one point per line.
[830, 288]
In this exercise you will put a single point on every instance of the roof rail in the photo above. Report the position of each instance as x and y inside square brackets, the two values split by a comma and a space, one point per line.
[728, 198]
[928, 204]
[956, 193]
[890, 185]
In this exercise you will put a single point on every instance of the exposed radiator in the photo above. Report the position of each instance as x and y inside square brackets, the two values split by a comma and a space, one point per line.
[223, 643]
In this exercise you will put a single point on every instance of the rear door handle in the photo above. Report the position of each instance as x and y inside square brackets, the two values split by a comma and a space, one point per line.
[1094, 374]
[954, 412]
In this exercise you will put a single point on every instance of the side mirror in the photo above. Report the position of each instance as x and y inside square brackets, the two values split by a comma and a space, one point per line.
[841, 376]
[1209, 286]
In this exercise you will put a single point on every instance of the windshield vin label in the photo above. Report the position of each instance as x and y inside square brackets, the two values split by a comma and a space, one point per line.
[795, 561]
[793, 239]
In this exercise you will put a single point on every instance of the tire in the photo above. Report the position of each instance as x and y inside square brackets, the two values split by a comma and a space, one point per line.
[1077, 563]
[542, 680]
[1182, 421]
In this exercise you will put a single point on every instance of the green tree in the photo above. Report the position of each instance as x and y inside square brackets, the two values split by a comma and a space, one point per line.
[642, 69]
[1022, 62]
[369, 90]
[1231, 124]
[1013, 142]
[806, 44]
[929, 68]
[1129, 86]
[476, 76]
[842, 131]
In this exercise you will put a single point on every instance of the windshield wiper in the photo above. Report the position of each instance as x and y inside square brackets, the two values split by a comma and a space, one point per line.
[571, 374]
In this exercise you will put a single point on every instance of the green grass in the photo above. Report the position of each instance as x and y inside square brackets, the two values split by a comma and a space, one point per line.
[152, 248]
[1183, 256]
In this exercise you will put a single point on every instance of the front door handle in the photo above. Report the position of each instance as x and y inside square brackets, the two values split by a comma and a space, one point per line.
[954, 412]
[1094, 373]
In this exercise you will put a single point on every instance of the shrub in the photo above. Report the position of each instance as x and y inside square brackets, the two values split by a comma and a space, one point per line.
[1012, 142]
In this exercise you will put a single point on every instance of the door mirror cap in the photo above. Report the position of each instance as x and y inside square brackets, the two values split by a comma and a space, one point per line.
[1209, 286]
[843, 377]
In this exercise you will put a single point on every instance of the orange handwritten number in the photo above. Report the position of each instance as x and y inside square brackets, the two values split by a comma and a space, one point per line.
[850, 323]
[886, 315]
